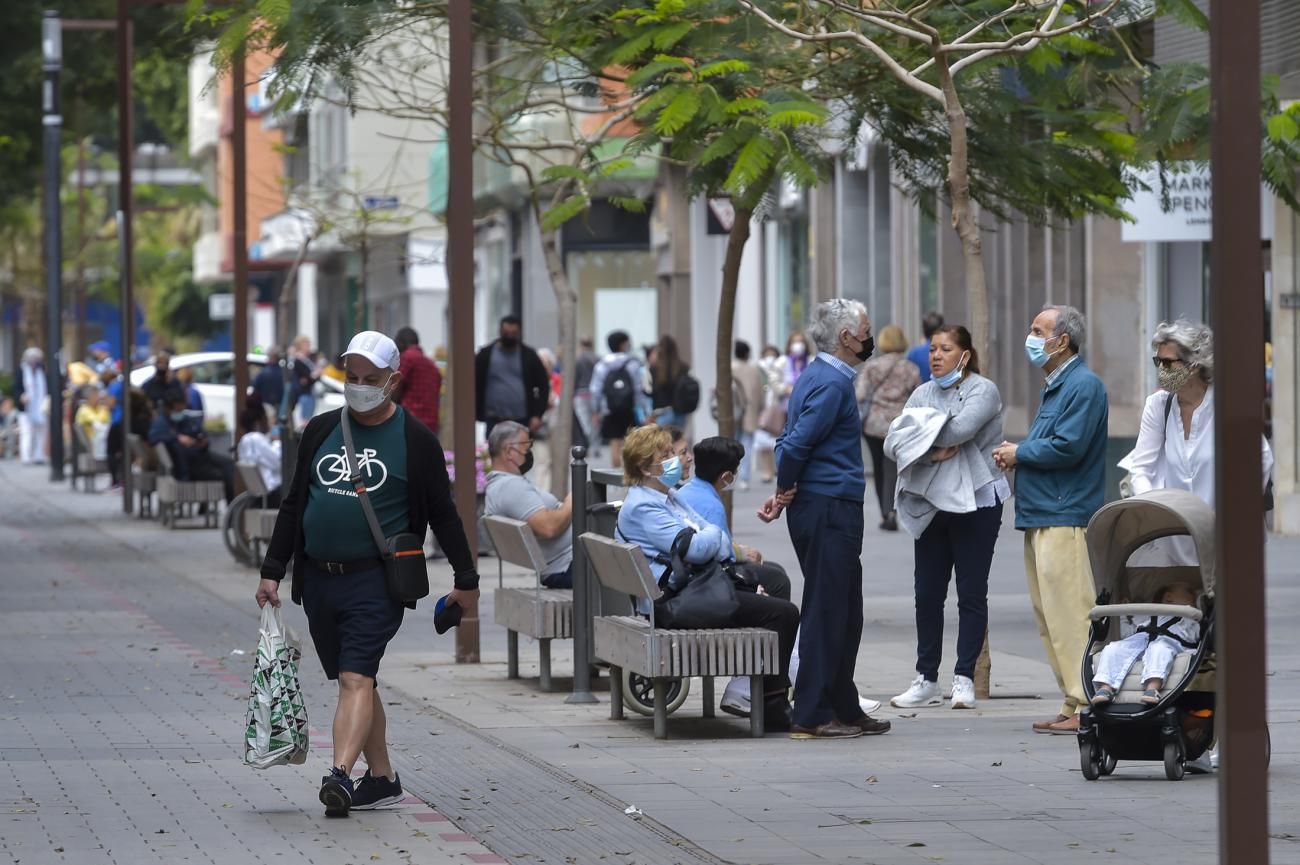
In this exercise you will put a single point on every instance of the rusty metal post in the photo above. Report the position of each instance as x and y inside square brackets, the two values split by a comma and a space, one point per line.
[1237, 304]
[126, 227]
[239, 177]
[460, 278]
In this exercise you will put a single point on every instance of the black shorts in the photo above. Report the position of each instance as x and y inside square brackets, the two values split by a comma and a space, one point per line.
[616, 424]
[351, 619]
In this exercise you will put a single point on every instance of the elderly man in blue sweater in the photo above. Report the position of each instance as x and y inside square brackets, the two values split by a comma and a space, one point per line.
[1060, 483]
[820, 479]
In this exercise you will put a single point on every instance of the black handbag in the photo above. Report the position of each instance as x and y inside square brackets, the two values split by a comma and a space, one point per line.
[705, 596]
[405, 569]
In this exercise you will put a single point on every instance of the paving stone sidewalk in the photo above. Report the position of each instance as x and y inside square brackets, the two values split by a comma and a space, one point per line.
[539, 780]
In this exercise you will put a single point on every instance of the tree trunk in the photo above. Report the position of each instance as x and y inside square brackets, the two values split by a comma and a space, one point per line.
[736, 240]
[967, 228]
[567, 300]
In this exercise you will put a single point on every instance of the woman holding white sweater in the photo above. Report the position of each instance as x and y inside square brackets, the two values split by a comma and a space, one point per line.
[949, 498]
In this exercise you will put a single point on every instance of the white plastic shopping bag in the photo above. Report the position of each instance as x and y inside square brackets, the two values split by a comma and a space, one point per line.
[276, 725]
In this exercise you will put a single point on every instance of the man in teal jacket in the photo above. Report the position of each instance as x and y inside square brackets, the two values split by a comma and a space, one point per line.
[1060, 484]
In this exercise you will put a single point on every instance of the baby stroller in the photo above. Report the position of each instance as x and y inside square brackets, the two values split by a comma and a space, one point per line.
[1180, 726]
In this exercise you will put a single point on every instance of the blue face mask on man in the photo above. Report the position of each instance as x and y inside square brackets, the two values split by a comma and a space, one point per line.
[1036, 350]
[671, 474]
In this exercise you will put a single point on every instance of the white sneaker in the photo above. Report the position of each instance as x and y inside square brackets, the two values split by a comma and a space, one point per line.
[869, 706]
[921, 693]
[1203, 765]
[735, 699]
[963, 693]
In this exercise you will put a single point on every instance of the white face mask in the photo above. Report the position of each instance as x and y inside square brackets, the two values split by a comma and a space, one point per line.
[363, 398]
[798, 349]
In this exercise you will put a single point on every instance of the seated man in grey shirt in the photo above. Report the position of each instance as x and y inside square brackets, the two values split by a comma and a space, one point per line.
[510, 494]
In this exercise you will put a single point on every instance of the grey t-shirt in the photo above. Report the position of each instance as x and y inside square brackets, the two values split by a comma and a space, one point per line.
[515, 497]
[504, 395]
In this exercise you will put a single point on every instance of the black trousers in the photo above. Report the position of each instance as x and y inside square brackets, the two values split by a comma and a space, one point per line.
[827, 537]
[771, 576]
[961, 542]
[884, 475]
[774, 614]
[115, 445]
[207, 466]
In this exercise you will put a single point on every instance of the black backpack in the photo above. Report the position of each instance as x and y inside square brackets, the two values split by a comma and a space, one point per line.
[686, 395]
[619, 390]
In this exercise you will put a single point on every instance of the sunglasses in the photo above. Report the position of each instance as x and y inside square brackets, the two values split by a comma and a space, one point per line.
[1165, 362]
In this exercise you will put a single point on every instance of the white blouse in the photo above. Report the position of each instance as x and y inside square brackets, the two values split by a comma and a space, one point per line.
[1165, 459]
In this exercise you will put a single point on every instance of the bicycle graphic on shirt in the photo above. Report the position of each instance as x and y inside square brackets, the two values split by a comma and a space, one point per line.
[332, 469]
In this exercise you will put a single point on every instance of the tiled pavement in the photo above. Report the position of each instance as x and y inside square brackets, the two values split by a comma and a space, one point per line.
[121, 703]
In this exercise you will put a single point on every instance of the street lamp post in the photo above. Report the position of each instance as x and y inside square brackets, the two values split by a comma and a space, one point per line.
[51, 62]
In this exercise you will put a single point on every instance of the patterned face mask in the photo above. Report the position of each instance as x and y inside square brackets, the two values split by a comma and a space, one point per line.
[1172, 378]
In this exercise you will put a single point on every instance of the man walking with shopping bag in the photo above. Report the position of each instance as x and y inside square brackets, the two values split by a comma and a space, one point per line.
[368, 480]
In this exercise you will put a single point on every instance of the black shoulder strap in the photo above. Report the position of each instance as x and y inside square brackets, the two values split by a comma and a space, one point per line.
[1164, 428]
[354, 477]
[1153, 629]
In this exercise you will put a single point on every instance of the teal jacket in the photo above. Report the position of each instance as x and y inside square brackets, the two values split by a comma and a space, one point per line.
[1061, 464]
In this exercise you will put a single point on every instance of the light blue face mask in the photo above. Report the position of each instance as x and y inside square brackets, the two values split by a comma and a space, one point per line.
[954, 376]
[1036, 351]
[672, 472]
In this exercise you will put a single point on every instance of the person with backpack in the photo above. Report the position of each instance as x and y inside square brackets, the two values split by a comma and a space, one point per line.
[617, 394]
[674, 392]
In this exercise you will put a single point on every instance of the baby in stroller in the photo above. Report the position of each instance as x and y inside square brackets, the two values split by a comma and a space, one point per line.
[1155, 643]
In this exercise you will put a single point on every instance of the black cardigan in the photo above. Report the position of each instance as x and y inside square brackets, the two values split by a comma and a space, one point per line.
[537, 384]
[428, 497]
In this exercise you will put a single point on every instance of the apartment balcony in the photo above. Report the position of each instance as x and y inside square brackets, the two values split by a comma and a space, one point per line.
[207, 258]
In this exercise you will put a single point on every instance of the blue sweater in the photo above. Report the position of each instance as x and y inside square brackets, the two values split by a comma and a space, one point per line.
[1061, 464]
[820, 448]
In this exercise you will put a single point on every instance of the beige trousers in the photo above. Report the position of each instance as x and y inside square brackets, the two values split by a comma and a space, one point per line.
[1061, 590]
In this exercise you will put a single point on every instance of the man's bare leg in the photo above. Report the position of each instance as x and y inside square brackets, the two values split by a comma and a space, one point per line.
[376, 744]
[353, 718]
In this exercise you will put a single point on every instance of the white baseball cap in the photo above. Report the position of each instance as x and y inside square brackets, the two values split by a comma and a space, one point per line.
[376, 348]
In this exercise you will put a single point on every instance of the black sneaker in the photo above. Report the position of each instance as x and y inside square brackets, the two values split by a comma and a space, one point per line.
[336, 793]
[376, 792]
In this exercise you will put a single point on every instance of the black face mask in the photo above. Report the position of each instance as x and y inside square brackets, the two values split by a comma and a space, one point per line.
[868, 346]
[527, 464]
[509, 342]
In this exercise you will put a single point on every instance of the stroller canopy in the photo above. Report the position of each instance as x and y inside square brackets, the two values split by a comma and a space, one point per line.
[1120, 528]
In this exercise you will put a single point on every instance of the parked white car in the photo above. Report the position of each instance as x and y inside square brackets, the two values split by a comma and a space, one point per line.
[214, 376]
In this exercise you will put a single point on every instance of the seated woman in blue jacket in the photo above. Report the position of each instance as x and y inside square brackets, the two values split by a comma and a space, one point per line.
[652, 517]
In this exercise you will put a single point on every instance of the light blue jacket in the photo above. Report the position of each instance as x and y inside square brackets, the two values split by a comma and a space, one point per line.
[652, 520]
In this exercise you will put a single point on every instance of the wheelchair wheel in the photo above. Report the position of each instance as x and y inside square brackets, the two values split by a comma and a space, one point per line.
[232, 525]
[639, 694]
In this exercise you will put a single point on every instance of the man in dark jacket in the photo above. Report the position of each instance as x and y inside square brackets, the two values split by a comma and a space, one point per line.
[510, 380]
[338, 575]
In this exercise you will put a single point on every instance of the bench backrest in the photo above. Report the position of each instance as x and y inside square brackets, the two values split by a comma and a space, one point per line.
[619, 566]
[251, 476]
[515, 543]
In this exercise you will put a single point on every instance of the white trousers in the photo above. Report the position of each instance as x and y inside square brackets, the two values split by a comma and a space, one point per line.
[31, 432]
[1114, 661]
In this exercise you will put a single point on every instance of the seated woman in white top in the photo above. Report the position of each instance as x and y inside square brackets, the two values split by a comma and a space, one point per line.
[1175, 445]
[652, 517]
[258, 448]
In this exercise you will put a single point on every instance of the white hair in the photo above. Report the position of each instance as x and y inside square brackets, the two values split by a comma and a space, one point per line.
[833, 317]
[502, 436]
[33, 355]
[1194, 342]
[1070, 321]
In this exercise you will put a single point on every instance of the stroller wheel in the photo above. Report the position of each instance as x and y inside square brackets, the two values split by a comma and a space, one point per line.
[1175, 768]
[638, 693]
[1088, 762]
[1108, 762]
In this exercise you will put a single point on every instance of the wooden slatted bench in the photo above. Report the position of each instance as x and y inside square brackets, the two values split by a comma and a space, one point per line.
[87, 465]
[541, 613]
[258, 524]
[660, 654]
[177, 499]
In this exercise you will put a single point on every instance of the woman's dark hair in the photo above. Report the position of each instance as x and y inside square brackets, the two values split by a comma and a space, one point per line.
[715, 456]
[961, 336]
[668, 365]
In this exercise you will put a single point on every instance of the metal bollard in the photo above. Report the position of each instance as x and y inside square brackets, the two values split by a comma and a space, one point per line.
[583, 608]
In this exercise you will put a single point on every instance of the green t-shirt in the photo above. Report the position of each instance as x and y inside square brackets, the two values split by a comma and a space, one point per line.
[334, 524]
